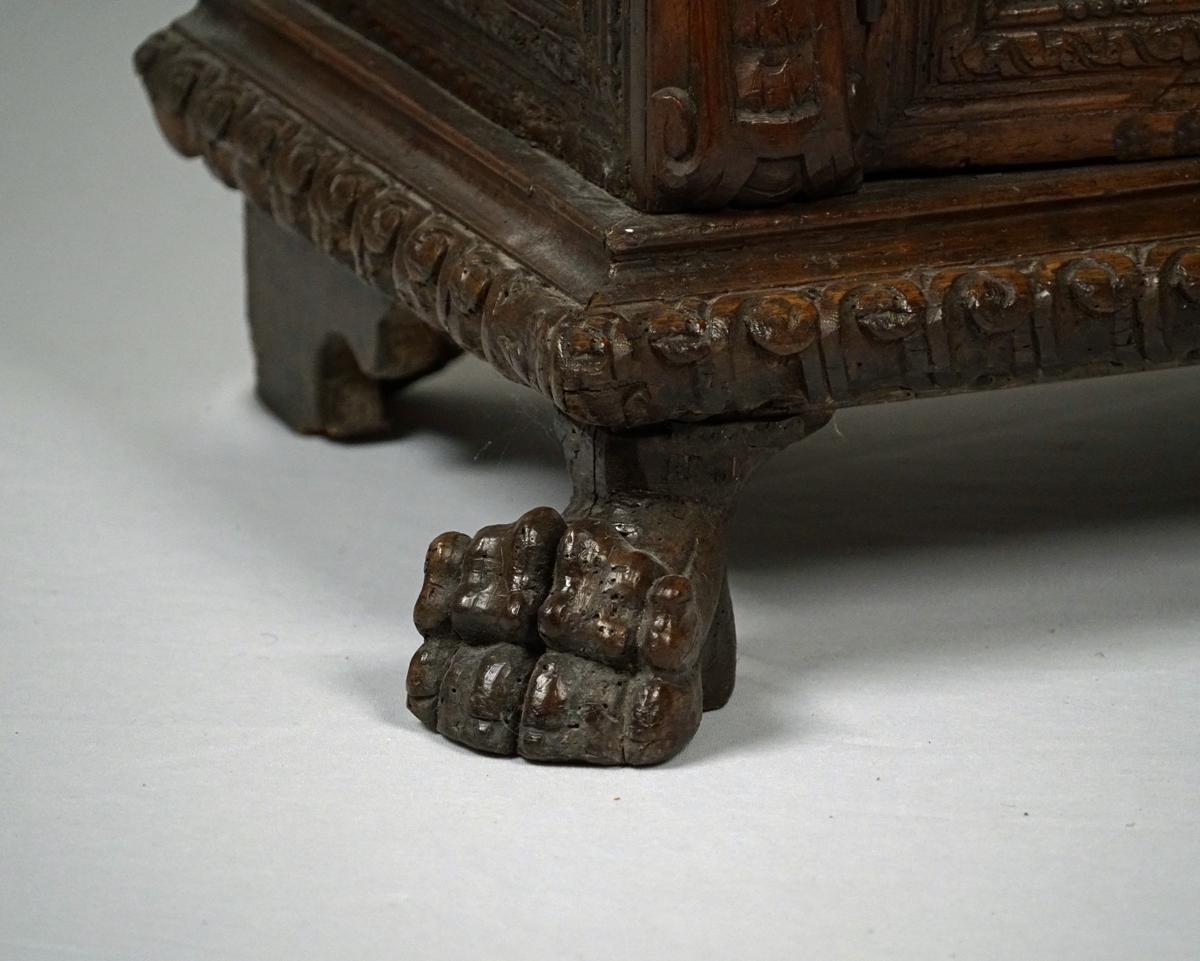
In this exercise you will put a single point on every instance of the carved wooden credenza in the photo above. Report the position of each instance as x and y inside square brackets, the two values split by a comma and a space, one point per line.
[699, 227]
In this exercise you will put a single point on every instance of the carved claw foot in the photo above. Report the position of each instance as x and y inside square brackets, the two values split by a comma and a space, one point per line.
[560, 642]
[478, 614]
[601, 637]
[620, 680]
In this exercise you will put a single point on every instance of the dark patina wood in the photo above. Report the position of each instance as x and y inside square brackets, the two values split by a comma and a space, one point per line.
[599, 635]
[329, 350]
[390, 224]
[693, 103]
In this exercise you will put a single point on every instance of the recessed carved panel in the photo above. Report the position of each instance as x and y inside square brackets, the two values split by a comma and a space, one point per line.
[997, 82]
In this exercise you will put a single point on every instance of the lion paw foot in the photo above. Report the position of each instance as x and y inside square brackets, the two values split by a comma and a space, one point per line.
[558, 642]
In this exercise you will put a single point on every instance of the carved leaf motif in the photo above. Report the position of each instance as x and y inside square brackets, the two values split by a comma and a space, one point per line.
[1097, 287]
[1076, 47]
[1183, 274]
[469, 279]
[591, 351]
[426, 251]
[295, 164]
[995, 303]
[781, 325]
[377, 221]
[678, 334]
[884, 312]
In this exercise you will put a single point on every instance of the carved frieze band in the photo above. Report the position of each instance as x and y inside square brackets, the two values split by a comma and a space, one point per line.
[857, 340]
[756, 352]
[1018, 39]
[1027, 13]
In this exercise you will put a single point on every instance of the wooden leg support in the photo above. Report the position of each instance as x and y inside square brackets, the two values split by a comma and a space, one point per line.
[598, 635]
[329, 349]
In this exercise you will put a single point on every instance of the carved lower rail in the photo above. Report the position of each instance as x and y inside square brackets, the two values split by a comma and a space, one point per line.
[760, 352]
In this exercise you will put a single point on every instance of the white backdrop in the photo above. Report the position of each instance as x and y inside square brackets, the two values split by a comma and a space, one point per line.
[969, 687]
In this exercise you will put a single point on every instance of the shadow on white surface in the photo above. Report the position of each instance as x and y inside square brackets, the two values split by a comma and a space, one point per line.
[970, 495]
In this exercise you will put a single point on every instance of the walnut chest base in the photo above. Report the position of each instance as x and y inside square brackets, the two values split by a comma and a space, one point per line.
[390, 227]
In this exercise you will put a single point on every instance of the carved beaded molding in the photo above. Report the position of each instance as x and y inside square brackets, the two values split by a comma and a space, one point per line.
[763, 352]
[354, 211]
